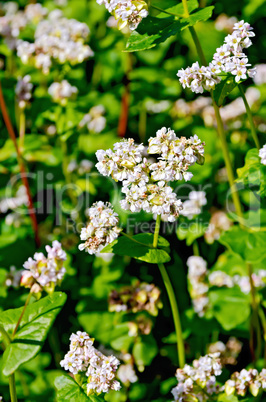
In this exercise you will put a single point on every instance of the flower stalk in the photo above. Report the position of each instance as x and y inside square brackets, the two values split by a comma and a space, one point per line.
[250, 118]
[22, 169]
[12, 385]
[172, 299]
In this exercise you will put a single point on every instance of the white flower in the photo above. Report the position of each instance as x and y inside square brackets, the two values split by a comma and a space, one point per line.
[192, 206]
[102, 228]
[61, 92]
[94, 120]
[262, 154]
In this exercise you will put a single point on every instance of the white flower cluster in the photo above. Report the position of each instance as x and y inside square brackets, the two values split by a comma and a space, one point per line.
[198, 382]
[229, 58]
[192, 206]
[94, 120]
[56, 39]
[99, 370]
[13, 22]
[23, 91]
[200, 280]
[43, 272]
[221, 279]
[84, 166]
[102, 227]
[198, 287]
[61, 92]
[145, 183]
[127, 12]
[262, 154]
[247, 380]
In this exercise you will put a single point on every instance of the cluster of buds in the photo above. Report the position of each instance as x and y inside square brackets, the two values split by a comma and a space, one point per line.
[262, 154]
[23, 91]
[198, 287]
[247, 380]
[144, 182]
[229, 352]
[81, 168]
[94, 119]
[228, 59]
[56, 39]
[198, 382]
[102, 228]
[192, 206]
[44, 273]
[61, 92]
[135, 298]
[97, 371]
[129, 13]
[142, 325]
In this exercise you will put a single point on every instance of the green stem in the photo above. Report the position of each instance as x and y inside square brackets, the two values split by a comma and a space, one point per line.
[175, 312]
[198, 46]
[21, 315]
[12, 385]
[250, 118]
[166, 12]
[255, 315]
[195, 248]
[228, 164]
[172, 299]
[156, 231]
[185, 6]
[12, 388]
[22, 129]
[263, 323]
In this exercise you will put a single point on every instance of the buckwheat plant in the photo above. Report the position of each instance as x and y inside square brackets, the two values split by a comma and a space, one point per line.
[145, 184]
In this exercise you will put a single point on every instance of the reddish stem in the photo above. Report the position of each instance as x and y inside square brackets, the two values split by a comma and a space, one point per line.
[123, 119]
[22, 169]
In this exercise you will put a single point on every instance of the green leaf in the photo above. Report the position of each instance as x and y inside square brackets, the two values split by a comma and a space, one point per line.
[145, 350]
[140, 247]
[249, 246]
[227, 398]
[69, 390]
[32, 331]
[201, 15]
[230, 307]
[223, 89]
[153, 31]
[253, 173]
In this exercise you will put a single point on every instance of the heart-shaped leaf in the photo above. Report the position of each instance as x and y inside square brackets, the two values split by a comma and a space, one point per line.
[70, 391]
[155, 30]
[140, 247]
[32, 331]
